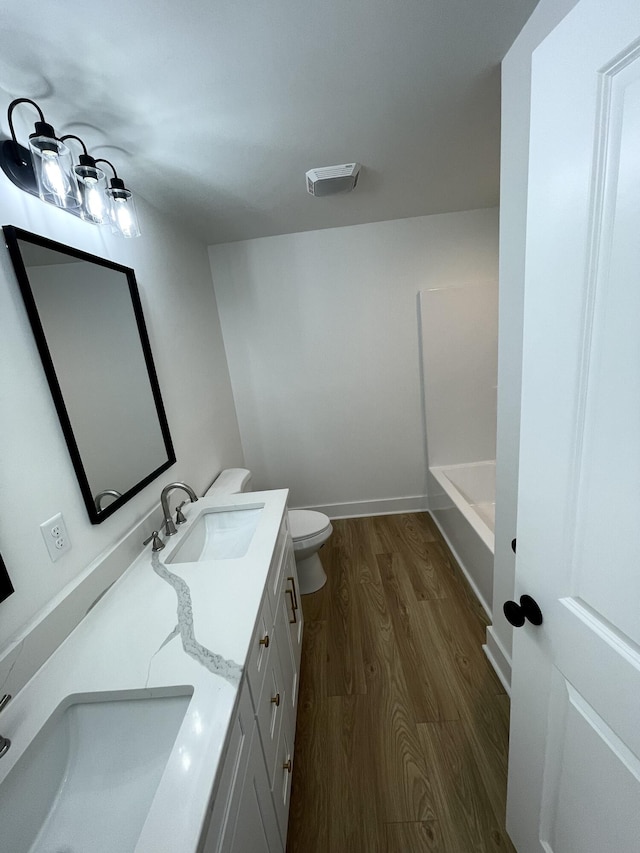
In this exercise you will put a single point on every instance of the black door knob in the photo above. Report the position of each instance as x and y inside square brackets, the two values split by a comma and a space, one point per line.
[527, 609]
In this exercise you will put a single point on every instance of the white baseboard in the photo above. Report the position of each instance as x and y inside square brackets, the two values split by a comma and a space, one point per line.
[361, 509]
[498, 658]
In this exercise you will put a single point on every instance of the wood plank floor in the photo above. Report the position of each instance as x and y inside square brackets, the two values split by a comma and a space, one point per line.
[401, 742]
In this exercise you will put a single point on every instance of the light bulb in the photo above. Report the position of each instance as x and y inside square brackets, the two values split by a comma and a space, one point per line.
[91, 182]
[53, 178]
[53, 168]
[123, 217]
[94, 202]
[124, 220]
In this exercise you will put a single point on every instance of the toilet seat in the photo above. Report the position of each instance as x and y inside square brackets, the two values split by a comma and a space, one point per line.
[306, 526]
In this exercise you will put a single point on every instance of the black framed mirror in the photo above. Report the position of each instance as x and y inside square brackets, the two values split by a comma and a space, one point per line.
[6, 587]
[87, 320]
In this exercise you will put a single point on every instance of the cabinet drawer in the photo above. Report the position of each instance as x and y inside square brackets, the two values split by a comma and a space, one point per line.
[260, 650]
[296, 625]
[281, 789]
[275, 572]
[270, 712]
[288, 628]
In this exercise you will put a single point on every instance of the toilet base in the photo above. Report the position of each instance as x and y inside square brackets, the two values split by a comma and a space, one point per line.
[311, 575]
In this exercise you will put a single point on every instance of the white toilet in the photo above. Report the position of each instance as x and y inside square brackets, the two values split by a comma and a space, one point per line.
[309, 529]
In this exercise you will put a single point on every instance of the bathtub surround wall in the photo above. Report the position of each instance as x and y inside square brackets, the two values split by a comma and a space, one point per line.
[321, 331]
[516, 85]
[37, 478]
[459, 330]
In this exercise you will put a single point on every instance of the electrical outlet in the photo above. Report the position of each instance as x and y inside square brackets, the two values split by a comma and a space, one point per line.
[56, 538]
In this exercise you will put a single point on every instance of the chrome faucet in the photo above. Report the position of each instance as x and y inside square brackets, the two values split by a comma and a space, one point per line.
[169, 526]
[114, 493]
[5, 743]
[158, 544]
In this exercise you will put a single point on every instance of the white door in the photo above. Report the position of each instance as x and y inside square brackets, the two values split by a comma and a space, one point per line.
[574, 779]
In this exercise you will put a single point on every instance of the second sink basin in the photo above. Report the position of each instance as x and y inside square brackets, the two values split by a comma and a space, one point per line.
[223, 534]
[86, 782]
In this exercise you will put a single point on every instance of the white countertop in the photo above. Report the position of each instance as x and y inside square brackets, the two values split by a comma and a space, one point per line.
[137, 637]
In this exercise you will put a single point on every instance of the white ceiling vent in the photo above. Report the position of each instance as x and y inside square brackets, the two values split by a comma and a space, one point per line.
[330, 180]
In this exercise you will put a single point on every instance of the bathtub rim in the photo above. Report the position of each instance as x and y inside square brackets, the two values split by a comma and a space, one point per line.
[468, 511]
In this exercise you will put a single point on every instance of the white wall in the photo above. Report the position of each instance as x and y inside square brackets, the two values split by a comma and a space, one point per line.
[321, 332]
[516, 88]
[36, 476]
[459, 355]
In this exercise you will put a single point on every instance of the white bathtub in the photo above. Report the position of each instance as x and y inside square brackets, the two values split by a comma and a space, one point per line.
[462, 502]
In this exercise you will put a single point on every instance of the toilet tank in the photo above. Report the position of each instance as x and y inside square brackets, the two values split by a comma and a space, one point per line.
[231, 481]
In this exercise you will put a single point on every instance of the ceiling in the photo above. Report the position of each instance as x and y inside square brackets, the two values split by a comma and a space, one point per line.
[213, 110]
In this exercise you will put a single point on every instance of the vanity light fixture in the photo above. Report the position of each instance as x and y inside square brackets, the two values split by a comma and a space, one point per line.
[46, 169]
[122, 208]
[92, 183]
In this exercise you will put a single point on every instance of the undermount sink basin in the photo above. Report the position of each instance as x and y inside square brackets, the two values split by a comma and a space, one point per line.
[218, 534]
[87, 780]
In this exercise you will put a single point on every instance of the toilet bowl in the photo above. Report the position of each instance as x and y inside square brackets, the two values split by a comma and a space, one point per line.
[309, 529]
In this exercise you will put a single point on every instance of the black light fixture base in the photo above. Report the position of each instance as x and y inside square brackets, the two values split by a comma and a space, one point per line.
[16, 163]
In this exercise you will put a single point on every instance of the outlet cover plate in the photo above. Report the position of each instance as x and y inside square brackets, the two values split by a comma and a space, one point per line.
[56, 538]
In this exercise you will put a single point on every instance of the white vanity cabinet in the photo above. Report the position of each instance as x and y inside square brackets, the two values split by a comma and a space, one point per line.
[242, 817]
[256, 828]
[251, 806]
[288, 635]
[292, 608]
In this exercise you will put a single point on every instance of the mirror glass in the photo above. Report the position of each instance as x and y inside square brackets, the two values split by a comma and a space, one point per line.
[87, 320]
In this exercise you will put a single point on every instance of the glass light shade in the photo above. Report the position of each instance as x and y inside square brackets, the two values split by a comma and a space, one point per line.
[92, 183]
[53, 169]
[122, 212]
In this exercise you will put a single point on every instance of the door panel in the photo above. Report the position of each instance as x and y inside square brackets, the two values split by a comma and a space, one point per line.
[607, 529]
[574, 797]
[575, 739]
[602, 667]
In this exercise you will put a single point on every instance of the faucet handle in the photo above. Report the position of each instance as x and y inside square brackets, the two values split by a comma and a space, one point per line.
[180, 519]
[158, 544]
[4, 701]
